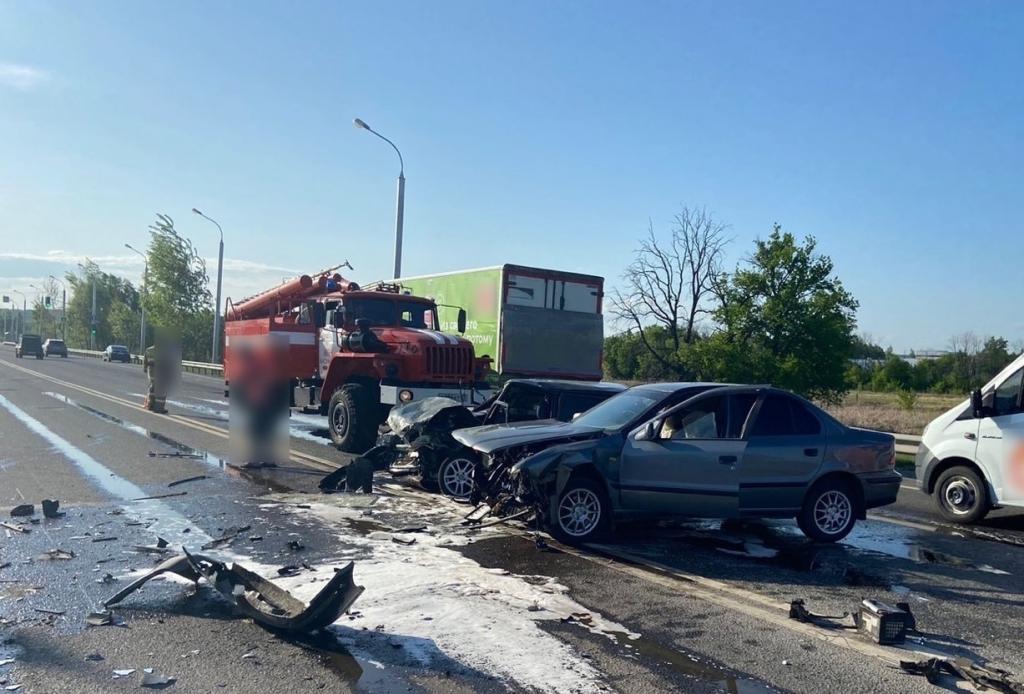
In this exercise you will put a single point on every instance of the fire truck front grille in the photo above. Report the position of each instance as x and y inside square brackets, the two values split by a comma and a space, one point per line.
[450, 361]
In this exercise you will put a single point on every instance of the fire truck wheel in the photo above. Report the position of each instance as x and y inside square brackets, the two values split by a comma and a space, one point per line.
[350, 418]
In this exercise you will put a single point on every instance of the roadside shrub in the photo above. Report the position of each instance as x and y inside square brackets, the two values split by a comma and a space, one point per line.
[907, 399]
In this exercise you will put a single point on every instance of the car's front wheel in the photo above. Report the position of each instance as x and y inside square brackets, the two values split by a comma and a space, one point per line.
[582, 512]
[829, 512]
[455, 476]
[961, 495]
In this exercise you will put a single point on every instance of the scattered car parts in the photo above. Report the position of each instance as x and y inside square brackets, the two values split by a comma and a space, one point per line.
[257, 598]
[981, 676]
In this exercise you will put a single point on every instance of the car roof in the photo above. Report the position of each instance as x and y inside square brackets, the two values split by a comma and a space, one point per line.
[665, 388]
[560, 385]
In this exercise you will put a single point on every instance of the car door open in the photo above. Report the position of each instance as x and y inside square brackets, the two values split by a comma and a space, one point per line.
[683, 463]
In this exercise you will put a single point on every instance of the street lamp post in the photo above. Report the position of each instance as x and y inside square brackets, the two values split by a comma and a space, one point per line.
[142, 307]
[400, 204]
[63, 309]
[92, 318]
[20, 323]
[38, 292]
[215, 347]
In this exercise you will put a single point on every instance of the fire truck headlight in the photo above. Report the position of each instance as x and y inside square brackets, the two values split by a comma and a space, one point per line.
[405, 395]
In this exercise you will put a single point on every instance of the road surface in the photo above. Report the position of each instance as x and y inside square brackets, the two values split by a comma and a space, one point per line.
[691, 606]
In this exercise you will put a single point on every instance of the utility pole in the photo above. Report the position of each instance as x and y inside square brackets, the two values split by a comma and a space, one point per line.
[400, 202]
[215, 346]
[19, 321]
[63, 309]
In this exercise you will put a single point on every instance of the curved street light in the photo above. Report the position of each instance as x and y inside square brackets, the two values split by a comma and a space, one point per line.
[400, 206]
[24, 307]
[215, 346]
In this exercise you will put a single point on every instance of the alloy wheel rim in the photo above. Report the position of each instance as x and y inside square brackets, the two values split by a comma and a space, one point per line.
[457, 479]
[832, 512]
[579, 512]
[960, 495]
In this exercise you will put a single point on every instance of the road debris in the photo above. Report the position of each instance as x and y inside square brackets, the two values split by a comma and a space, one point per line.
[403, 540]
[154, 680]
[23, 510]
[229, 535]
[100, 619]
[57, 554]
[105, 538]
[290, 570]
[15, 528]
[257, 598]
[51, 508]
[798, 611]
[94, 657]
[56, 613]
[175, 483]
[127, 672]
[160, 496]
[177, 454]
[107, 579]
[883, 623]
[981, 676]
[296, 545]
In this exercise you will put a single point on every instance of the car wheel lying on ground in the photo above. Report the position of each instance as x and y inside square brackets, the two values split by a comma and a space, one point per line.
[705, 451]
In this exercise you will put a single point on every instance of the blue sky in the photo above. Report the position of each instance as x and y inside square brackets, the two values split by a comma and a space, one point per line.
[536, 133]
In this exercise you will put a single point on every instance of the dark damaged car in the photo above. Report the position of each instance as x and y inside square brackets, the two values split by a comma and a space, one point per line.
[728, 452]
[420, 442]
[499, 447]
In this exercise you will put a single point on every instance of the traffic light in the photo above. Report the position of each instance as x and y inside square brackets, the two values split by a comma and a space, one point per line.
[46, 302]
[7, 299]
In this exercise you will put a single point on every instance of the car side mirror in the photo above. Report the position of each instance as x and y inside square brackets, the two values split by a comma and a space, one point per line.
[647, 432]
[976, 402]
[462, 321]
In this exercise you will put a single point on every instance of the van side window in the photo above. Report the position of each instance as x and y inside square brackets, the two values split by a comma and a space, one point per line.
[1007, 399]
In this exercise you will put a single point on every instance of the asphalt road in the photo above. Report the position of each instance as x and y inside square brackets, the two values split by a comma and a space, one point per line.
[694, 606]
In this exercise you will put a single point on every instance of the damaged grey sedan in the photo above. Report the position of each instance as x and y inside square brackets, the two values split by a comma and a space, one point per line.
[728, 452]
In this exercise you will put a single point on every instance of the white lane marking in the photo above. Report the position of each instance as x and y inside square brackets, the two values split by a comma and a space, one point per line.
[168, 522]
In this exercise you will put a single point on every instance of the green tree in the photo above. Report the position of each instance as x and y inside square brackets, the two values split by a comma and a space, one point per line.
[111, 291]
[177, 295]
[785, 319]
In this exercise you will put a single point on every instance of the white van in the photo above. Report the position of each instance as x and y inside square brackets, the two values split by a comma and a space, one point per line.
[971, 458]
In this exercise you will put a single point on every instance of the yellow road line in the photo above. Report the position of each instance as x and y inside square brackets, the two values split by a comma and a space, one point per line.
[306, 459]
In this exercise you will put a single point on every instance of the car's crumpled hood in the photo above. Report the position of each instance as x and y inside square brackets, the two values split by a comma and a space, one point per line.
[492, 437]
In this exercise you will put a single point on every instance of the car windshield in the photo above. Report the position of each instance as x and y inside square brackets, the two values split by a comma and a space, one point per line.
[619, 410]
[56, 343]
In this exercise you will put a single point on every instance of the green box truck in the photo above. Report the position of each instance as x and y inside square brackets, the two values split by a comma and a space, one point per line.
[530, 321]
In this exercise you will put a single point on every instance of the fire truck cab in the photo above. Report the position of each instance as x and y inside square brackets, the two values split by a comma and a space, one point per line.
[353, 353]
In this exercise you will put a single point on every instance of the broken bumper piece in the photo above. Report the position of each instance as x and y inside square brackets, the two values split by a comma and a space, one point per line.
[257, 598]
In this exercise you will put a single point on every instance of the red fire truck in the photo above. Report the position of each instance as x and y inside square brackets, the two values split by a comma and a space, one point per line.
[351, 353]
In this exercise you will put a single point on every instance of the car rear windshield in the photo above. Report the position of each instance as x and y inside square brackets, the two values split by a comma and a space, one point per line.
[619, 410]
[56, 343]
[118, 348]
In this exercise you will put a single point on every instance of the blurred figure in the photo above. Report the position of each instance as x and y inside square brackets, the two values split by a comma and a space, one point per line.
[259, 400]
[162, 362]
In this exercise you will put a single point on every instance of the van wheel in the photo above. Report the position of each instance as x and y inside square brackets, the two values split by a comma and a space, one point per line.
[455, 477]
[829, 512]
[350, 419]
[582, 512]
[961, 495]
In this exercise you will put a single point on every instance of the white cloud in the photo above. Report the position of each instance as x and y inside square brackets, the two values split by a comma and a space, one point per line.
[23, 77]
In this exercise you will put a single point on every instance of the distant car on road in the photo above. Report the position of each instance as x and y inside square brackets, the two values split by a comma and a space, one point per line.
[727, 452]
[971, 458]
[30, 345]
[54, 347]
[117, 353]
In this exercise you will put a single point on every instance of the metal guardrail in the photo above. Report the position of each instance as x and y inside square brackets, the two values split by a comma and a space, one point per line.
[195, 367]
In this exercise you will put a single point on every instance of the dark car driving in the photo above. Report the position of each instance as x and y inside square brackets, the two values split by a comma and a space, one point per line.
[425, 447]
[117, 353]
[29, 345]
[727, 452]
[55, 348]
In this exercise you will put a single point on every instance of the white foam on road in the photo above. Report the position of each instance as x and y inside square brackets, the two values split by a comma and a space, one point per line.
[428, 596]
[166, 521]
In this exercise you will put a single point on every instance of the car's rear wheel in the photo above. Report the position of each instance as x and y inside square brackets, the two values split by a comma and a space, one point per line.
[829, 512]
[455, 476]
[961, 495]
[582, 512]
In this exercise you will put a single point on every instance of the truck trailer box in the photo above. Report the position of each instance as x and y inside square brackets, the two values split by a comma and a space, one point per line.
[529, 321]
